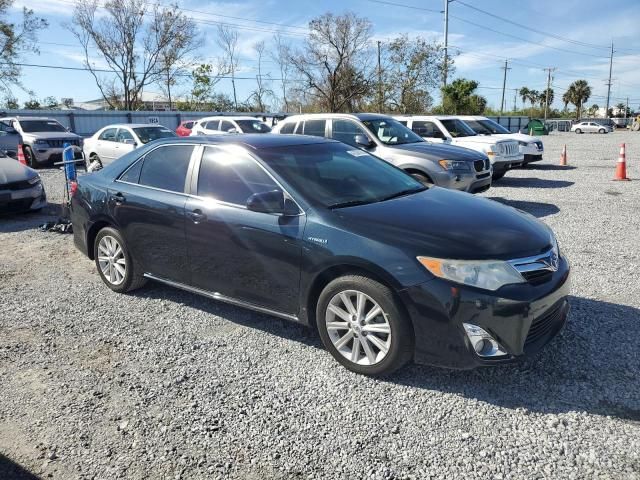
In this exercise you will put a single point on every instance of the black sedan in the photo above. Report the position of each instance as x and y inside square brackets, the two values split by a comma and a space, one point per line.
[317, 232]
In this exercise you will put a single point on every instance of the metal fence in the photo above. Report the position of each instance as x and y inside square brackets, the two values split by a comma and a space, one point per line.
[86, 123]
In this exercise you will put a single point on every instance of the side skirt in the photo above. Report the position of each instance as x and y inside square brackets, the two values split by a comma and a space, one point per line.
[223, 298]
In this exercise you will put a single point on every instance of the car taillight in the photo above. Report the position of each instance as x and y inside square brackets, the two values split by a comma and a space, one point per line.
[73, 188]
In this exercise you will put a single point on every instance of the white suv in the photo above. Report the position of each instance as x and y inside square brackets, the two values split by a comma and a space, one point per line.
[221, 125]
[530, 147]
[504, 154]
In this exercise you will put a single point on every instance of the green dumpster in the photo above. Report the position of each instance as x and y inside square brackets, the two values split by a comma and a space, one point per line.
[536, 127]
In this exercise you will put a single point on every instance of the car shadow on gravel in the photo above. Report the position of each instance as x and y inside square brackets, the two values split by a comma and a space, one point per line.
[537, 209]
[546, 166]
[20, 222]
[240, 316]
[592, 366]
[9, 470]
[530, 182]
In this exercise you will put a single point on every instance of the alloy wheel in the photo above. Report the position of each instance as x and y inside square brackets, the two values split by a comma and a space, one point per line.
[358, 327]
[111, 259]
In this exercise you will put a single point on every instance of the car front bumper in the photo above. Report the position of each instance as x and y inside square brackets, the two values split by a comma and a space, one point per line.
[44, 154]
[522, 318]
[472, 182]
[24, 200]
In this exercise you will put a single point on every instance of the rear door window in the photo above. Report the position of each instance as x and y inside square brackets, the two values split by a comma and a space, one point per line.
[314, 127]
[288, 127]
[212, 124]
[426, 129]
[166, 167]
[226, 125]
[108, 135]
[231, 178]
[345, 131]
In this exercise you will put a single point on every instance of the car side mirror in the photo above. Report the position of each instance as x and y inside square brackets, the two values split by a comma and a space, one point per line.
[129, 141]
[267, 202]
[364, 141]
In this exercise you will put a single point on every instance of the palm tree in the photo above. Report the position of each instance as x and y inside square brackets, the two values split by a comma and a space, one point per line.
[579, 92]
[546, 97]
[566, 99]
[621, 108]
[533, 96]
[524, 95]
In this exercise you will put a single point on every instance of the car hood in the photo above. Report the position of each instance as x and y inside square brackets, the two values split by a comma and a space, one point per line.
[434, 151]
[13, 171]
[445, 223]
[477, 140]
[54, 135]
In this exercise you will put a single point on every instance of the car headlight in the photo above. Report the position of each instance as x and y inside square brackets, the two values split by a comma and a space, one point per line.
[40, 141]
[34, 180]
[487, 274]
[454, 165]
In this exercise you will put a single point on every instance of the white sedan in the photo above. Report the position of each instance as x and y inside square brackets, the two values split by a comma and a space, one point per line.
[590, 127]
[222, 125]
[113, 141]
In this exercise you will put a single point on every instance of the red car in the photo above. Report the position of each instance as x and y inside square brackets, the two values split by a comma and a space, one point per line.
[184, 129]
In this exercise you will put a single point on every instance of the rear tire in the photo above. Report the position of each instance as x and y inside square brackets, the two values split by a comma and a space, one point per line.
[115, 265]
[578, 131]
[602, 130]
[382, 343]
[95, 163]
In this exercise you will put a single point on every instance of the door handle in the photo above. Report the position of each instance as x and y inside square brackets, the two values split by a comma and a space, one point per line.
[118, 198]
[196, 216]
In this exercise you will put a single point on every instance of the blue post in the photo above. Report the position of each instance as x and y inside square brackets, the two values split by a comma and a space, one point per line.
[69, 164]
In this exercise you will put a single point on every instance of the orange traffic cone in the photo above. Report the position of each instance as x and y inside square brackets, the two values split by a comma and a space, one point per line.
[621, 166]
[21, 158]
[563, 157]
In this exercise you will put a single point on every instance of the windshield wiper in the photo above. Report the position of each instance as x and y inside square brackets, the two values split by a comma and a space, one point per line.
[353, 203]
[403, 193]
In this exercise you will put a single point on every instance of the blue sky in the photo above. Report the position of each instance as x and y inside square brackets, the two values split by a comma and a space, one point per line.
[483, 42]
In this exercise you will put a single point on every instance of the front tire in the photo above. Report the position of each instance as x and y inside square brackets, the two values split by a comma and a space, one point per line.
[114, 263]
[423, 179]
[363, 326]
[602, 131]
[578, 131]
[95, 163]
[29, 157]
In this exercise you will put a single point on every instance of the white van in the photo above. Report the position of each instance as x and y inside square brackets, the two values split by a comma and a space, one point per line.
[504, 154]
[530, 147]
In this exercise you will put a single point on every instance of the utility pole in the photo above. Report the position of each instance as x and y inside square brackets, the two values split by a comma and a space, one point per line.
[625, 112]
[379, 81]
[606, 112]
[515, 99]
[504, 84]
[546, 93]
[446, 41]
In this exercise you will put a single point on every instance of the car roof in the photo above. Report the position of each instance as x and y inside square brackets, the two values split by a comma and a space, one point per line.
[228, 117]
[254, 141]
[132, 125]
[20, 118]
[359, 116]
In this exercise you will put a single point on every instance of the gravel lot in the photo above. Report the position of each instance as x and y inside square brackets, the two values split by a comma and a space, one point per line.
[165, 384]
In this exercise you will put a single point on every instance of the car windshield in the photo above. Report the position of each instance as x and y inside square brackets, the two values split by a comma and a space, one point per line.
[30, 126]
[457, 128]
[391, 132]
[334, 175]
[253, 126]
[486, 127]
[149, 134]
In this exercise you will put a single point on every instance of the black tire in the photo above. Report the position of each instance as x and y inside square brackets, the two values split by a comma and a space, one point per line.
[133, 278]
[30, 157]
[402, 338]
[578, 131]
[602, 131]
[498, 175]
[94, 158]
[423, 179]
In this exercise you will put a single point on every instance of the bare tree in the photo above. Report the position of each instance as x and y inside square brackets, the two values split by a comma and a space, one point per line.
[335, 61]
[174, 61]
[16, 40]
[131, 46]
[228, 40]
[262, 91]
[281, 55]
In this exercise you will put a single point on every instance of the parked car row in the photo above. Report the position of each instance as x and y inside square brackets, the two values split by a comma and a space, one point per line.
[328, 234]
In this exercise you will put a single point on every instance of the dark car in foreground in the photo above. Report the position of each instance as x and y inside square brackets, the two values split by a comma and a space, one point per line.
[317, 232]
[21, 188]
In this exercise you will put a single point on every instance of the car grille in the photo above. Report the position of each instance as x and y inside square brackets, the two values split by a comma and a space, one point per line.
[509, 149]
[16, 205]
[541, 326]
[21, 185]
[59, 143]
[537, 269]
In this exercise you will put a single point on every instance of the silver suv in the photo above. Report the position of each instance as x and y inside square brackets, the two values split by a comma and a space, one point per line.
[443, 165]
[43, 139]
